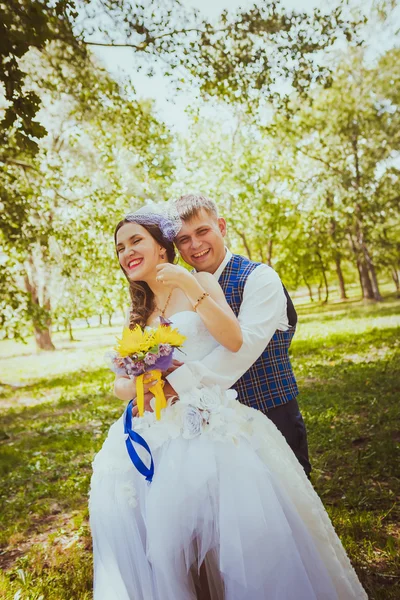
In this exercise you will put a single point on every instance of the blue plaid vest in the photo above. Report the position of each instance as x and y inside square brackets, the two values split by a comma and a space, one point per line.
[270, 380]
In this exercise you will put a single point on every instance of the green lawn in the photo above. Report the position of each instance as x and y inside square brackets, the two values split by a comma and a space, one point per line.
[57, 407]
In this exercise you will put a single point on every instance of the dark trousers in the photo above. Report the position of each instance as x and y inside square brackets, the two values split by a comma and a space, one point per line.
[287, 418]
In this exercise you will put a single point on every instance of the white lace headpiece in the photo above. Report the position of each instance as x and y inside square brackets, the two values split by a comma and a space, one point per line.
[164, 215]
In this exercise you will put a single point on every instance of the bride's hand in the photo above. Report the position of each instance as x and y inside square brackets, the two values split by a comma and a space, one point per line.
[147, 407]
[173, 275]
[148, 381]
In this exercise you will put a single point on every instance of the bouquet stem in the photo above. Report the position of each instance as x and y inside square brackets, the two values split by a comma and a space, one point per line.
[156, 389]
[140, 394]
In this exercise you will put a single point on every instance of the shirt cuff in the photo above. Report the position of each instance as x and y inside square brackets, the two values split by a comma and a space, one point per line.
[181, 380]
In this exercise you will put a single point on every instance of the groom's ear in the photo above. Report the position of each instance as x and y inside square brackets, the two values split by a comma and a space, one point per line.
[222, 226]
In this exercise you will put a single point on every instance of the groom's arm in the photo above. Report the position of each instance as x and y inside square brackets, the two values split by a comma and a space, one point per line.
[264, 303]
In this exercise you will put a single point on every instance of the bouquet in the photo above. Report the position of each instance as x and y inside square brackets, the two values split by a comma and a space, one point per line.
[150, 351]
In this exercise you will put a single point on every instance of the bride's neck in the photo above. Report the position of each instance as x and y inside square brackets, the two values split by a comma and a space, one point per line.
[159, 289]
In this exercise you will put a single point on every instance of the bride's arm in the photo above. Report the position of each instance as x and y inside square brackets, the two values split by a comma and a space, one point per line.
[215, 312]
[204, 292]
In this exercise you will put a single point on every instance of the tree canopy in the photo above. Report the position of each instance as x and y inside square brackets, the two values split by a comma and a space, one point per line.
[301, 153]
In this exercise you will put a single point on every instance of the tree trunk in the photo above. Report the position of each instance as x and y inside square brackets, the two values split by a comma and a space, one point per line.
[43, 338]
[110, 320]
[261, 251]
[375, 284]
[319, 290]
[41, 319]
[71, 335]
[323, 271]
[365, 281]
[366, 285]
[309, 289]
[372, 273]
[326, 287]
[395, 277]
[339, 272]
[100, 319]
[269, 253]
[87, 322]
[245, 243]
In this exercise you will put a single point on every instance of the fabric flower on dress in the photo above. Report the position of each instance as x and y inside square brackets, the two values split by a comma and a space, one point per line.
[130, 493]
[210, 399]
[192, 422]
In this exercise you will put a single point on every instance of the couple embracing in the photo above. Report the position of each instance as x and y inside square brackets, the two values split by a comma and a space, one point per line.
[230, 513]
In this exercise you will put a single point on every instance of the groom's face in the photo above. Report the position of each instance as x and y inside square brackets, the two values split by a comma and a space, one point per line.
[201, 241]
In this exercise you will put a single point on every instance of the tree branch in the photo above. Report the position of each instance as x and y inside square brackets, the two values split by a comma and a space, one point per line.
[148, 41]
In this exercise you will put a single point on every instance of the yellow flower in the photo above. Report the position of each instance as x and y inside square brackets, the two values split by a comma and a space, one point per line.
[166, 335]
[134, 341]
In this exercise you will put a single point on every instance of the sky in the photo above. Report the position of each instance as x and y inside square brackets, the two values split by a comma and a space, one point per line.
[171, 105]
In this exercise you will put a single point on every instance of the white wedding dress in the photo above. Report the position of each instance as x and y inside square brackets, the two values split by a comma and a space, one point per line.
[227, 491]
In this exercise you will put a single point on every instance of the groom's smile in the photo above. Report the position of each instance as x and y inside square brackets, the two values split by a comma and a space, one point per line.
[202, 254]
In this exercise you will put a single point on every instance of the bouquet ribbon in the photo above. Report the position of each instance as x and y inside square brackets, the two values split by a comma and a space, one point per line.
[156, 389]
[131, 437]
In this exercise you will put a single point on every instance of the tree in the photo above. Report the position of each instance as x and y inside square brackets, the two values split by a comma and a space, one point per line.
[346, 143]
[268, 53]
[232, 58]
[27, 24]
[103, 148]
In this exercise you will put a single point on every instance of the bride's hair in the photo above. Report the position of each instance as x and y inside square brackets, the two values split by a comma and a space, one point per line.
[142, 298]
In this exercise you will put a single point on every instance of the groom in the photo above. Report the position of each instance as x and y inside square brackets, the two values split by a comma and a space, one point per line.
[260, 371]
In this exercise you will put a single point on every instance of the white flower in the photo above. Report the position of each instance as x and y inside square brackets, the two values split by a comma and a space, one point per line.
[130, 493]
[231, 394]
[210, 399]
[191, 397]
[145, 422]
[206, 415]
[192, 422]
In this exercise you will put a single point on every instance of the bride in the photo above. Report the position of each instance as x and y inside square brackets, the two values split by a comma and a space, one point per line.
[230, 514]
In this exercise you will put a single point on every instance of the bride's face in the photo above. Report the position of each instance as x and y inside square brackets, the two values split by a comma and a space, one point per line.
[138, 252]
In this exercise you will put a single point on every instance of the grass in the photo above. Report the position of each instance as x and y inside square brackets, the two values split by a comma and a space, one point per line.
[55, 416]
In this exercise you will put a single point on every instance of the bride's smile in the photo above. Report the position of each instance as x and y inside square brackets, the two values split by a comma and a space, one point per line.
[135, 262]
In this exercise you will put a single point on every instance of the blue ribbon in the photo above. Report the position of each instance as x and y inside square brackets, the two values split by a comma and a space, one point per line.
[147, 472]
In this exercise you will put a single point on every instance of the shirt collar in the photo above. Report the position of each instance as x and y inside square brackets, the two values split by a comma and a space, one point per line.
[228, 256]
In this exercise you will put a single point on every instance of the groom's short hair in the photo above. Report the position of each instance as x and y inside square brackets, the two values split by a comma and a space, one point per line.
[189, 206]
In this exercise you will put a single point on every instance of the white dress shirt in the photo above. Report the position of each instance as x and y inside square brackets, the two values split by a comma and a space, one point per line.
[262, 312]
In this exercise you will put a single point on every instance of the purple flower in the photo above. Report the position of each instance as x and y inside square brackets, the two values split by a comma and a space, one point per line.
[165, 322]
[139, 367]
[163, 362]
[165, 349]
[150, 358]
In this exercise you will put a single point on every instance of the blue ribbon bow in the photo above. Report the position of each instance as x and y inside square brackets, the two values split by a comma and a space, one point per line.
[147, 472]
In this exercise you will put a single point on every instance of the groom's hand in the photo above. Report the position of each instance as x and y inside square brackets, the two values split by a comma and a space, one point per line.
[169, 391]
[175, 365]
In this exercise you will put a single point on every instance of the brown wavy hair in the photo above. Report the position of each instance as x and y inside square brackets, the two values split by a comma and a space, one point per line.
[142, 298]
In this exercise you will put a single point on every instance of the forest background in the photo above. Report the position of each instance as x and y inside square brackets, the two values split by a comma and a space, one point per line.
[288, 115]
[292, 127]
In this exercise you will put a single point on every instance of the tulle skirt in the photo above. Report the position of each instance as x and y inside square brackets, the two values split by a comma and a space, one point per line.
[228, 496]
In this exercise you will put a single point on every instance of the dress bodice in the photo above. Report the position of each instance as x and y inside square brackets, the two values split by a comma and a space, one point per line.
[199, 342]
